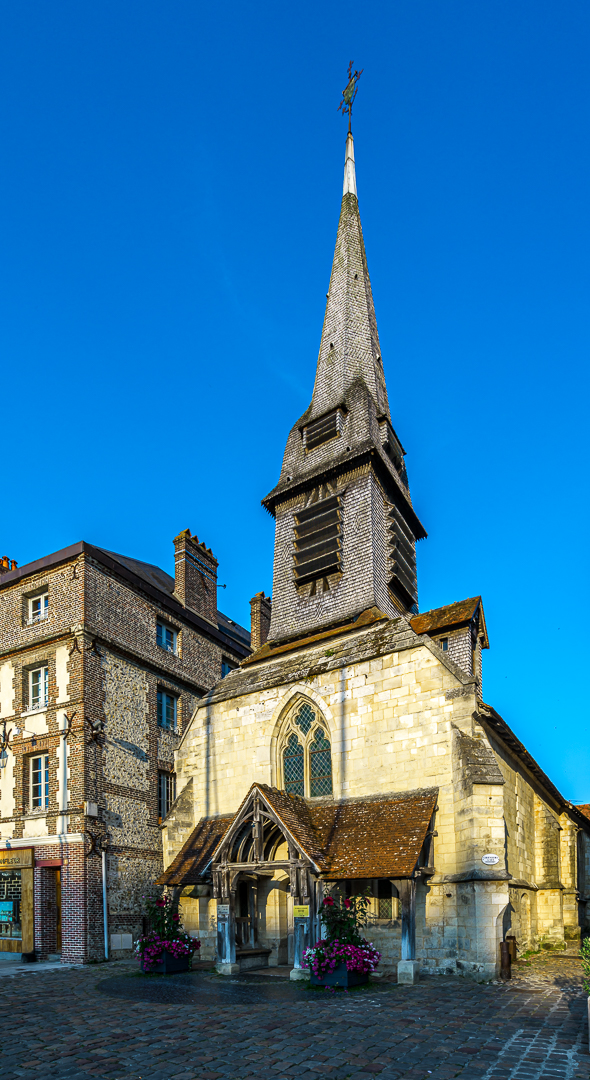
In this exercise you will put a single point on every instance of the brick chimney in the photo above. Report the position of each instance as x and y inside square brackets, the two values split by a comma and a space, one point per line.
[195, 573]
[260, 609]
[7, 564]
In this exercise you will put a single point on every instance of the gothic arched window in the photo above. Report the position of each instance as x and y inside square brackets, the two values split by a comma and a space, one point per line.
[306, 753]
[293, 768]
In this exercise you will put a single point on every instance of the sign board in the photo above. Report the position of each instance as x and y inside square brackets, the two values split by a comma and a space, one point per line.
[490, 860]
[223, 909]
[6, 911]
[16, 858]
[301, 911]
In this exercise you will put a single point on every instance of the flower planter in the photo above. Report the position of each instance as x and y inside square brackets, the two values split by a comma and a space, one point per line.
[168, 965]
[340, 976]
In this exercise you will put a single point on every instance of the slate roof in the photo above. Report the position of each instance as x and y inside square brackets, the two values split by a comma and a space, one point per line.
[450, 617]
[165, 583]
[378, 836]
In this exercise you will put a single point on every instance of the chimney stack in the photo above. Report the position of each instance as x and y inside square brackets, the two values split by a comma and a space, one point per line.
[7, 564]
[260, 609]
[195, 573]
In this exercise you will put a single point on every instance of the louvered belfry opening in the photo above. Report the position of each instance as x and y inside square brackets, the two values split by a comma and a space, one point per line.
[320, 431]
[403, 560]
[317, 540]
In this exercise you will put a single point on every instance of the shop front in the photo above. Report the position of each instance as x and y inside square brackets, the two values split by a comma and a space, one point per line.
[17, 931]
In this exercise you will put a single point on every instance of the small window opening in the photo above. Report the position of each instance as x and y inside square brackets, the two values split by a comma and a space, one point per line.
[166, 637]
[38, 688]
[444, 644]
[40, 782]
[38, 609]
[167, 710]
[166, 793]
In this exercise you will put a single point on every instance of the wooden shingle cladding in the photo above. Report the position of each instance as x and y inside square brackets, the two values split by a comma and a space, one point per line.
[380, 836]
[317, 540]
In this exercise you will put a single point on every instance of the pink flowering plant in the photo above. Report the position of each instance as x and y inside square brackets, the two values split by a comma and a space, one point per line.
[343, 943]
[165, 933]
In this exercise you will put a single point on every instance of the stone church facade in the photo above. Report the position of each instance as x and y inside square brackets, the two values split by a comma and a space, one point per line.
[352, 751]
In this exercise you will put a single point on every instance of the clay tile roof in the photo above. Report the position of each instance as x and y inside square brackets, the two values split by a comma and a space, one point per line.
[380, 836]
[195, 855]
[376, 837]
[450, 616]
[584, 808]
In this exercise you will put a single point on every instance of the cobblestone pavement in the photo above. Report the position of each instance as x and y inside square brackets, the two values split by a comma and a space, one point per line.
[62, 1024]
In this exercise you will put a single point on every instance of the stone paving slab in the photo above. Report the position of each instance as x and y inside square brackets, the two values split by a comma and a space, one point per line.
[106, 1021]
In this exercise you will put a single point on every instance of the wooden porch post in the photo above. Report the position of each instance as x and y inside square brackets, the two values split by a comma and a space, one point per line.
[407, 892]
[226, 932]
[408, 968]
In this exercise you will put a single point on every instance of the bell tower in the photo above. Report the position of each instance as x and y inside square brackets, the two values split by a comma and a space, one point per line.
[346, 530]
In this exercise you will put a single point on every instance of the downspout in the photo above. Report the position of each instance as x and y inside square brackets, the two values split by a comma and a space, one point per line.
[103, 856]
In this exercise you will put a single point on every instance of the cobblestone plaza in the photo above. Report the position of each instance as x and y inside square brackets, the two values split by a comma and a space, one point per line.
[109, 1021]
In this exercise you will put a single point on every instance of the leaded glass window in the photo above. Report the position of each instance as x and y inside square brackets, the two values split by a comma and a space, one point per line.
[305, 718]
[320, 765]
[293, 767]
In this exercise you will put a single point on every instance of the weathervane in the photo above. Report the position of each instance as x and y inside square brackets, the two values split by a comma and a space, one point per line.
[349, 94]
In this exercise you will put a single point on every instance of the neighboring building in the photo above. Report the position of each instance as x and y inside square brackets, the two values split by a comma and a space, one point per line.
[102, 659]
[353, 750]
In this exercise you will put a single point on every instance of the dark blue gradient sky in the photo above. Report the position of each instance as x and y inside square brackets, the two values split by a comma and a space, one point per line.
[170, 193]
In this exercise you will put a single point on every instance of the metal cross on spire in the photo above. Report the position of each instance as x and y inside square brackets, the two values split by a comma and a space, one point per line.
[349, 94]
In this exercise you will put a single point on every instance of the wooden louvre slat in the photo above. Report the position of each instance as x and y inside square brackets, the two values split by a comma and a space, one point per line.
[314, 511]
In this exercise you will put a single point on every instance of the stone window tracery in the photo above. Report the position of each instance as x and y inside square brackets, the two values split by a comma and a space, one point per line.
[305, 755]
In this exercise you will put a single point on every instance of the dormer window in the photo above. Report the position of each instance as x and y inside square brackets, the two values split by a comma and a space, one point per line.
[320, 431]
[38, 608]
[166, 638]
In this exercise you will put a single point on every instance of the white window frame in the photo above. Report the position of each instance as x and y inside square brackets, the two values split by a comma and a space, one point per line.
[173, 646]
[43, 699]
[43, 600]
[43, 785]
[172, 697]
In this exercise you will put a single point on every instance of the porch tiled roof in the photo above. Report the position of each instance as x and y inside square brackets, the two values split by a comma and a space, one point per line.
[195, 855]
[378, 836]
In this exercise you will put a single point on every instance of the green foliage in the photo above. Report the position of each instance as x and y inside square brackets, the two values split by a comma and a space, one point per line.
[164, 920]
[585, 954]
[343, 919]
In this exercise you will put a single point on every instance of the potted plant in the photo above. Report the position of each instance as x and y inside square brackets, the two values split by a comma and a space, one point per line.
[585, 954]
[342, 957]
[166, 948]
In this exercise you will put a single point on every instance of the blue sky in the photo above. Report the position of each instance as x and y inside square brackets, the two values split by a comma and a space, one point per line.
[170, 194]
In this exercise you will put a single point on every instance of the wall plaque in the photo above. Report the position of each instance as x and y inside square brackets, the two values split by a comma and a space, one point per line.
[15, 858]
[301, 911]
[490, 860]
[223, 909]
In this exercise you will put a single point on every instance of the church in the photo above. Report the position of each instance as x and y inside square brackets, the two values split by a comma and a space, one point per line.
[352, 751]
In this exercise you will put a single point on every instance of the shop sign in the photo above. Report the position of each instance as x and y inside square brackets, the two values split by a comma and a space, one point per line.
[16, 858]
[301, 911]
